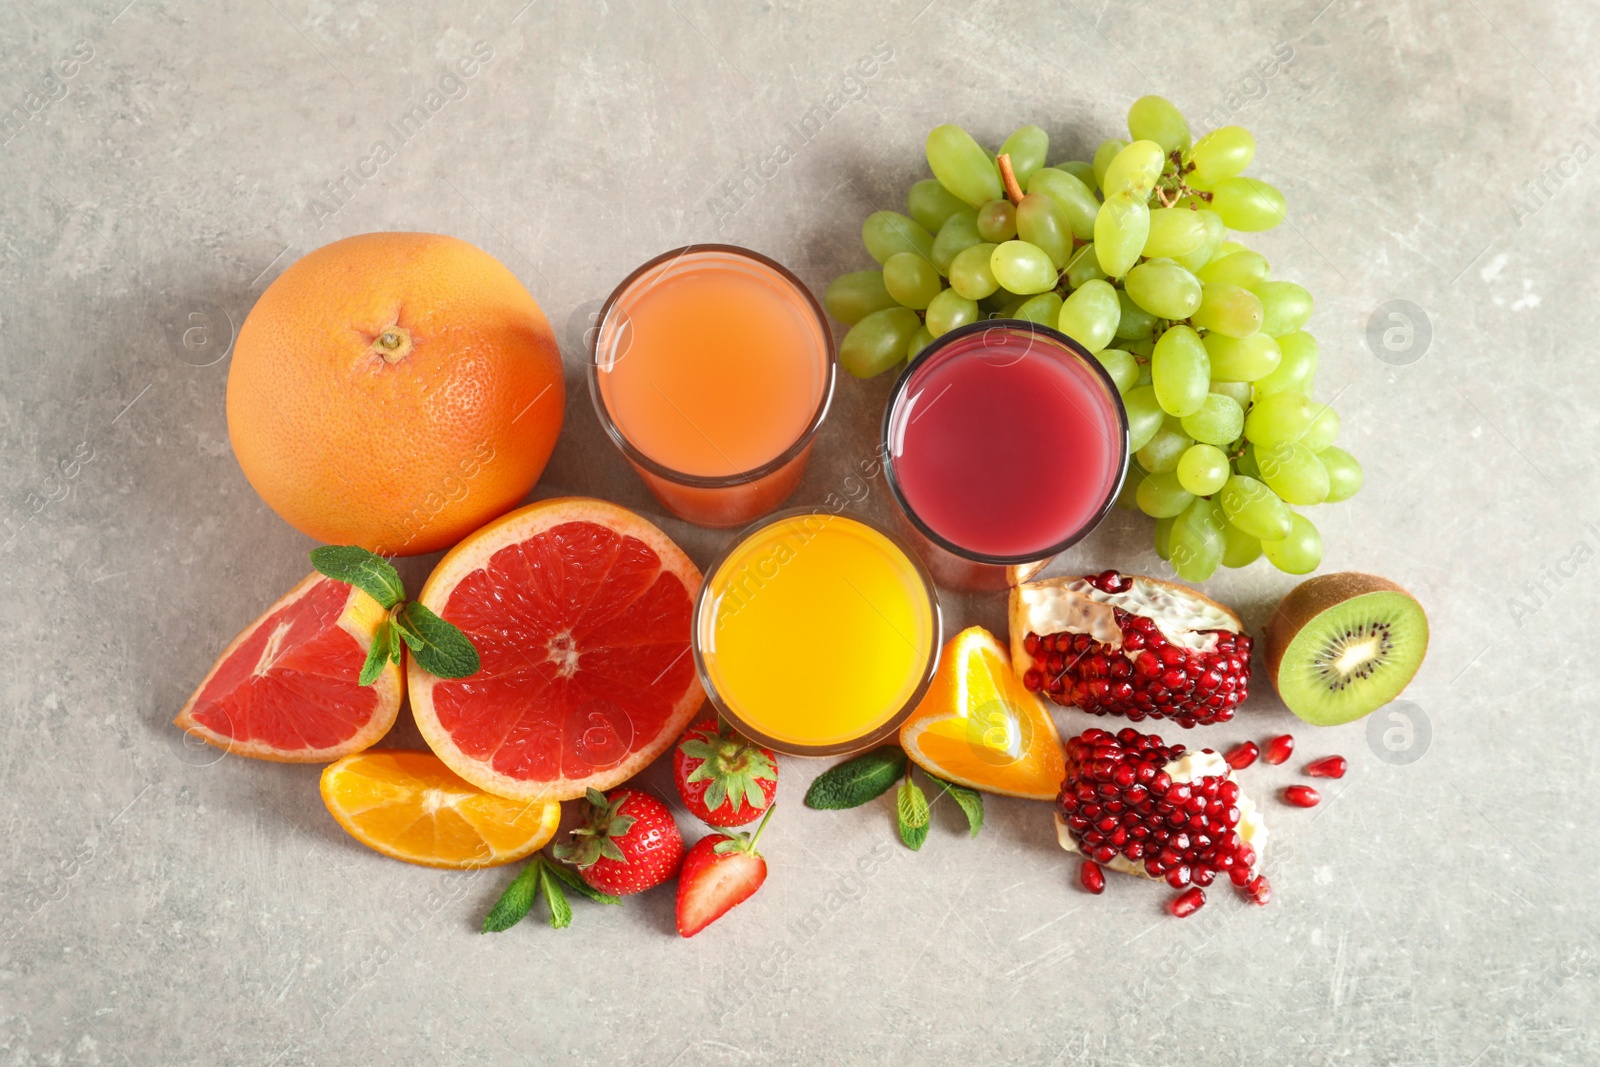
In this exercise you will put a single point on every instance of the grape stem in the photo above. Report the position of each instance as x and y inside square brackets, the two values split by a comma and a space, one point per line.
[1009, 177]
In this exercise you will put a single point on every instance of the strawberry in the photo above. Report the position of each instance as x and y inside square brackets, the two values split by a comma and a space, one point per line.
[720, 872]
[723, 778]
[628, 844]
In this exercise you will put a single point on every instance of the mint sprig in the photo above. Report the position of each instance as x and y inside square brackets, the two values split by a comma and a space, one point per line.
[542, 877]
[856, 781]
[911, 811]
[438, 646]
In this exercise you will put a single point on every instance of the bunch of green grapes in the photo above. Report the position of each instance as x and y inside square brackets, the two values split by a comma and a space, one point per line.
[1130, 256]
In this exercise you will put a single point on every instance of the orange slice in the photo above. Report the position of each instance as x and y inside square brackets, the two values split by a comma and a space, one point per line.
[409, 805]
[978, 727]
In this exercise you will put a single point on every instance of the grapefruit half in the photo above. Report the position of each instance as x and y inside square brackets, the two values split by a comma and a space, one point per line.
[286, 688]
[581, 613]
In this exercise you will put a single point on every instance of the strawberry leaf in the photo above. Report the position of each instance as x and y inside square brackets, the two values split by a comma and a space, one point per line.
[439, 647]
[377, 656]
[970, 802]
[911, 809]
[367, 571]
[570, 877]
[560, 910]
[854, 782]
[514, 903]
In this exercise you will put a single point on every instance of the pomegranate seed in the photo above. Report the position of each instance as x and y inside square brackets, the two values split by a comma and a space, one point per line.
[1187, 902]
[1328, 767]
[1092, 877]
[1259, 891]
[1301, 796]
[1241, 756]
[1203, 876]
[1279, 748]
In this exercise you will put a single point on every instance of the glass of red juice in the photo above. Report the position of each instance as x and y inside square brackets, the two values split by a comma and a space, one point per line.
[1004, 443]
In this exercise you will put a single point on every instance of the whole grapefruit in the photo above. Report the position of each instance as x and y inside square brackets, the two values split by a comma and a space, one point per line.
[394, 391]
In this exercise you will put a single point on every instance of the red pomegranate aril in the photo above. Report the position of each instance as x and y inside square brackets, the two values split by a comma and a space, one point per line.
[1301, 796]
[1327, 767]
[1178, 877]
[1187, 902]
[1242, 755]
[1239, 875]
[1203, 876]
[1092, 877]
[1259, 891]
[1279, 749]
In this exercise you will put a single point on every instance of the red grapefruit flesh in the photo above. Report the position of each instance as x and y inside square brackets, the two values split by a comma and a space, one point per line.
[286, 688]
[581, 613]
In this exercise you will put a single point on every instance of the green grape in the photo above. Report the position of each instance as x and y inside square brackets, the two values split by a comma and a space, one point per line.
[1215, 234]
[1136, 322]
[1023, 268]
[1248, 269]
[1142, 350]
[1344, 472]
[949, 310]
[1246, 463]
[1160, 454]
[1242, 359]
[1128, 495]
[1164, 289]
[1154, 118]
[1220, 154]
[997, 221]
[1297, 553]
[1090, 315]
[1218, 420]
[1324, 428]
[1075, 198]
[1239, 548]
[1041, 222]
[931, 204]
[970, 274]
[1164, 538]
[1144, 416]
[1009, 308]
[1027, 148]
[886, 233]
[911, 279]
[1120, 231]
[1254, 508]
[1294, 472]
[1285, 307]
[1296, 369]
[1230, 310]
[1278, 418]
[1103, 156]
[1161, 497]
[852, 297]
[1084, 266]
[959, 232]
[1203, 469]
[1196, 541]
[1180, 370]
[1044, 309]
[919, 340]
[1174, 231]
[1134, 170]
[962, 166]
[1248, 204]
[1122, 367]
[878, 341]
[1080, 170]
[1238, 392]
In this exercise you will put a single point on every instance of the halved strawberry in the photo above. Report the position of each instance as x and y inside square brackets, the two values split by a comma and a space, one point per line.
[721, 871]
[724, 779]
[628, 844]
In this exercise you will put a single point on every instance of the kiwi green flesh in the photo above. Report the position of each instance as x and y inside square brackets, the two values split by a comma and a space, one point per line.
[1353, 658]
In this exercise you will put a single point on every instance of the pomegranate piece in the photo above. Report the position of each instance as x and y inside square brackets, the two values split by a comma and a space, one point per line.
[1187, 902]
[1092, 877]
[1259, 891]
[1242, 755]
[1327, 767]
[1115, 644]
[1279, 749]
[1301, 796]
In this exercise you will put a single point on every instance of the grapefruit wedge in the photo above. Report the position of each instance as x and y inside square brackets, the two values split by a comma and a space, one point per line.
[286, 688]
[581, 613]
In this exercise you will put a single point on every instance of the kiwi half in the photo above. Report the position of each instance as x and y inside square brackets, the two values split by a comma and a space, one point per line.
[1341, 646]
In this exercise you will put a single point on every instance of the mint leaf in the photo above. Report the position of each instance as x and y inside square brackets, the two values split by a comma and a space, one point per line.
[911, 809]
[969, 800]
[570, 877]
[560, 910]
[856, 781]
[378, 655]
[367, 571]
[514, 903]
[438, 646]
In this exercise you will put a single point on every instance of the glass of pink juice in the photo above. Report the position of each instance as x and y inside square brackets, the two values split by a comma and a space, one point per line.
[1004, 443]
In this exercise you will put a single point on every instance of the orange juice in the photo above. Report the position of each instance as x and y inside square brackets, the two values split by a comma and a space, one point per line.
[712, 370]
[816, 634]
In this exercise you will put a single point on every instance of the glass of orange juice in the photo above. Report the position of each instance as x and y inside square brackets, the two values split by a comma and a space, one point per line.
[712, 369]
[817, 633]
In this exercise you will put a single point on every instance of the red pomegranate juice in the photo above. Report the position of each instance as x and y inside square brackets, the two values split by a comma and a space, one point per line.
[1006, 443]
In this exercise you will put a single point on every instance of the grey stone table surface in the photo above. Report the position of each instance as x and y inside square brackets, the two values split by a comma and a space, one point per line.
[166, 159]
